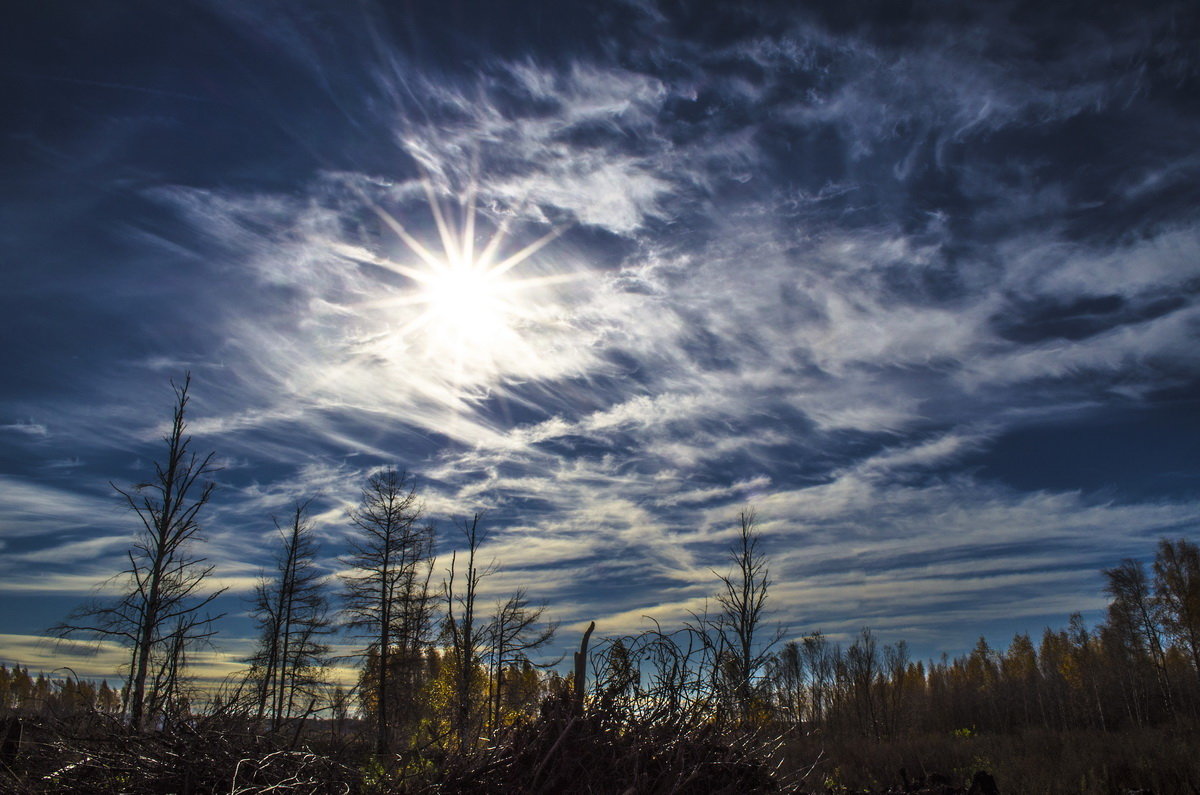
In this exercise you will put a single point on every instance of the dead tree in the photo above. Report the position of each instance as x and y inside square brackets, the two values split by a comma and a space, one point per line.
[387, 596]
[580, 659]
[292, 613]
[160, 614]
[514, 631]
[742, 599]
[468, 640]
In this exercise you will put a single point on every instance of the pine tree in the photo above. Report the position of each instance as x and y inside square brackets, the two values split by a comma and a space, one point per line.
[388, 599]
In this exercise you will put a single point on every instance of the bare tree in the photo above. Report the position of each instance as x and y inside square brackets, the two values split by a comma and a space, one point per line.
[820, 660]
[292, 612]
[1177, 593]
[468, 640]
[388, 600]
[862, 669]
[160, 613]
[1132, 614]
[896, 677]
[787, 681]
[513, 632]
[742, 599]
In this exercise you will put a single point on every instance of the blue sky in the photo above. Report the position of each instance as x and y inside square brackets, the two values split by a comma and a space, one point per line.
[919, 282]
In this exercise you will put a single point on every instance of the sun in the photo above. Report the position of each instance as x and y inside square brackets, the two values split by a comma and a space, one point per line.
[467, 304]
[462, 310]
[465, 296]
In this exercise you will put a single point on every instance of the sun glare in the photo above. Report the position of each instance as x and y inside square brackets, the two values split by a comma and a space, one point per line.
[463, 309]
[465, 302]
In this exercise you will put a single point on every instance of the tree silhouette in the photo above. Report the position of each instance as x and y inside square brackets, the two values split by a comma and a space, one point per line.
[292, 613]
[1132, 612]
[159, 615]
[742, 599]
[1177, 593]
[468, 639]
[514, 631]
[388, 600]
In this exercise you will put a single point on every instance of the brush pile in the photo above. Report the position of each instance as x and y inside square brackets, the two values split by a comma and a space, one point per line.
[97, 753]
[564, 751]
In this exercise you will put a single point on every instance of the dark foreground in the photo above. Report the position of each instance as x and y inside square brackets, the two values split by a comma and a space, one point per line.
[561, 752]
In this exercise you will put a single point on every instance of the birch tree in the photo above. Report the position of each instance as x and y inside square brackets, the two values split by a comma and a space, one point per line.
[1177, 594]
[1132, 613]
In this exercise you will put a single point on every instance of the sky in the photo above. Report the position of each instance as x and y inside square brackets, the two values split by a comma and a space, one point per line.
[917, 282]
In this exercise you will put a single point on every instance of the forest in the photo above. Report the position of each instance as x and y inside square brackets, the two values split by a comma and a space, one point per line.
[454, 692]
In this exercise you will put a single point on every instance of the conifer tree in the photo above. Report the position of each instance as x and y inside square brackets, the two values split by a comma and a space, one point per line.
[387, 595]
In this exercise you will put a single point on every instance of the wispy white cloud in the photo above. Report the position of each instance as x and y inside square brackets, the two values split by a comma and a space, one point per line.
[811, 271]
[33, 429]
[32, 508]
[595, 181]
[1160, 262]
[72, 552]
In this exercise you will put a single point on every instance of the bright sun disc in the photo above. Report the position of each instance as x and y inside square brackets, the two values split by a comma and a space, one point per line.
[465, 301]
[463, 313]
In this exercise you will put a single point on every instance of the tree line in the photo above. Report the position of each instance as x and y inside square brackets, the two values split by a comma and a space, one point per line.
[22, 692]
[1138, 668]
